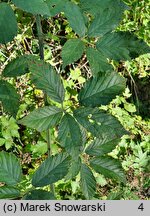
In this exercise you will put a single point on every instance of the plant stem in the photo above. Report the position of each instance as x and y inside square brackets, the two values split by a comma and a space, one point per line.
[41, 52]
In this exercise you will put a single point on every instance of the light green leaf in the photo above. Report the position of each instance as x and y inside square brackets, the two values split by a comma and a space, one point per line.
[88, 182]
[8, 192]
[121, 46]
[35, 6]
[10, 169]
[42, 118]
[109, 167]
[51, 170]
[75, 18]
[9, 97]
[98, 62]
[72, 51]
[2, 141]
[39, 195]
[8, 23]
[101, 89]
[48, 80]
[130, 107]
[18, 66]
[99, 122]
[103, 145]
[69, 135]
[40, 148]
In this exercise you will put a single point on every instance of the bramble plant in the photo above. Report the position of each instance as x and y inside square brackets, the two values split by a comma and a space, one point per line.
[94, 24]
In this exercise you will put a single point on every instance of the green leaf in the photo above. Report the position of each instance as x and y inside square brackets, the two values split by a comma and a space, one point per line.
[51, 170]
[72, 51]
[48, 80]
[10, 169]
[75, 18]
[103, 145]
[42, 118]
[74, 169]
[8, 192]
[35, 6]
[56, 6]
[95, 6]
[18, 66]
[39, 195]
[105, 21]
[88, 182]
[40, 148]
[109, 167]
[101, 89]
[8, 24]
[9, 97]
[115, 195]
[69, 135]
[98, 62]
[121, 46]
[99, 122]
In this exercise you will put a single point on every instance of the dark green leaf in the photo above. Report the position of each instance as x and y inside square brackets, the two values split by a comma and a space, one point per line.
[43, 118]
[48, 80]
[87, 181]
[35, 6]
[98, 62]
[115, 195]
[56, 6]
[95, 6]
[9, 192]
[75, 18]
[109, 167]
[72, 51]
[121, 46]
[9, 97]
[99, 122]
[101, 89]
[39, 195]
[105, 21]
[69, 135]
[51, 170]
[8, 23]
[10, 169]
[74, 169]
[103, 145]
[18, 66]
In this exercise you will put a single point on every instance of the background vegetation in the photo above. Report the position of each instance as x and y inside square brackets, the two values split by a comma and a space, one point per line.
[132, 109]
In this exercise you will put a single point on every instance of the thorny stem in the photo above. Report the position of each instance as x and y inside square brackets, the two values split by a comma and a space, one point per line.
[41, 52]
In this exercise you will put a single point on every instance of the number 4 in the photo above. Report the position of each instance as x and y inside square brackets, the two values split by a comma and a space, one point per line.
[141, 207]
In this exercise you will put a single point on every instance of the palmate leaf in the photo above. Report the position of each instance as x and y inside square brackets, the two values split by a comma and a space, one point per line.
[39, 195]
[8, 24]
[18, 66]
[9, 192]
[35, 6]
[103, 145]
[10, 169]
[51, 170]
[93, 7]
[99, 122]
[87, 182]
[109, 167]
[105, 21]
[101, 89]
[9, 97]
[43, 118]
[121, 46]
[75, 18]
[72, 51]
[48, 80]
[97, 61]
[69, 135]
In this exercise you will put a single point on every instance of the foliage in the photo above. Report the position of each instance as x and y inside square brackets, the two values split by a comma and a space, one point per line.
[84, 131]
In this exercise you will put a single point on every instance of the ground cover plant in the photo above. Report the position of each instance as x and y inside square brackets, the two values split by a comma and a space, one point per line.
[67, 100]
